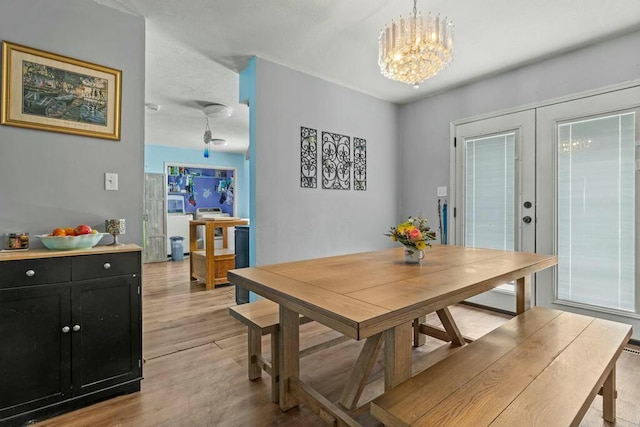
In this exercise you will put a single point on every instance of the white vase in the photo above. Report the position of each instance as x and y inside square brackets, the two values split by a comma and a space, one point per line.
[413, 256]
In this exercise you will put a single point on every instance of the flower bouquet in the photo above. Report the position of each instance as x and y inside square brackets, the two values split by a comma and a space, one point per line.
[414, 234]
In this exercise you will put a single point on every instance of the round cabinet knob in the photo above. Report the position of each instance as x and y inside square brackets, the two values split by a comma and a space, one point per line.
[30, 273]
[76, 328]
[527, 219]
[107, 266]
[65, 330]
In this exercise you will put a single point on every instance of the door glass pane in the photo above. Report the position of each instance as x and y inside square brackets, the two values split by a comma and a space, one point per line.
[596, 211]
[490, 192]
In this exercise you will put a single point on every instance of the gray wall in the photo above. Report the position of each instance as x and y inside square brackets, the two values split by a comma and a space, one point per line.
[50, 179]
[424, 124]
[295, 223]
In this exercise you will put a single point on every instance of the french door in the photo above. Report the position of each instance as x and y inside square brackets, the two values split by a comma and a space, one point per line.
[559, 179]
[495, 190]
[587, 205]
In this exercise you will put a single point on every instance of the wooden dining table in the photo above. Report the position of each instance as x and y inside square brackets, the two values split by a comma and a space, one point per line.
[375, 296]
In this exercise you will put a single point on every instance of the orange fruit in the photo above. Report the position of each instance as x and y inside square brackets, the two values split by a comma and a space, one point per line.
[59, 232]
[69, 231]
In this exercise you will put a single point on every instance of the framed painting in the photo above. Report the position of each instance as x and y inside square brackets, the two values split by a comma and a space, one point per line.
[42, 90]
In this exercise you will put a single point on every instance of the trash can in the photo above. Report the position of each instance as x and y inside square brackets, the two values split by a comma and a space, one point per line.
[177, 248]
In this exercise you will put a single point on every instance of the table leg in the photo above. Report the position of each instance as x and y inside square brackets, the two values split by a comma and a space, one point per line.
[210, 256]
[358, 379]
[289, 349]
[193, 246]
[450, 326]
[275, 366]
[418, 337]
[225, 236]
[609, 397]
[397, 355]
[523, 294]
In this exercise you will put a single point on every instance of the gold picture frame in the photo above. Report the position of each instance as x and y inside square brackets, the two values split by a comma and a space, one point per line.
[46, 91]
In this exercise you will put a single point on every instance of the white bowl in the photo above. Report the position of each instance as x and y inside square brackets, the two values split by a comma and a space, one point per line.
[65, 243]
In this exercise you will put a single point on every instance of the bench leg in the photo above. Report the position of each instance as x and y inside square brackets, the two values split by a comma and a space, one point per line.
[275, 367]
[609, 397]
[254, 352]
[418, 338]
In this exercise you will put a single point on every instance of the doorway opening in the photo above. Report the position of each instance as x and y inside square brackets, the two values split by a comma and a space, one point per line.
[196, 191]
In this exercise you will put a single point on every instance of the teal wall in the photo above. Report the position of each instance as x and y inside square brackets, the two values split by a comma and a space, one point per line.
[248, 96]
[156, 155]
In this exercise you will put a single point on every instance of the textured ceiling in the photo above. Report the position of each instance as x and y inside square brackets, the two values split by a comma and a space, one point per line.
[195, 48]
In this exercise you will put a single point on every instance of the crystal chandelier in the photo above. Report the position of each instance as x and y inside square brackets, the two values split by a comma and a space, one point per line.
[415, 48]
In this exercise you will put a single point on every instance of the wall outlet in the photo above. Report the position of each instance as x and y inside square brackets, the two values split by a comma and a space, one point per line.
[110, 181]
[442, 191]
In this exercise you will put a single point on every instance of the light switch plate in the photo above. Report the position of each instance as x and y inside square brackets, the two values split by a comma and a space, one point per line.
[110, 181]
[442, 191]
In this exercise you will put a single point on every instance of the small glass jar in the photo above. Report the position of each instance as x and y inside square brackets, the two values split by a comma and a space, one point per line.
[13, 241]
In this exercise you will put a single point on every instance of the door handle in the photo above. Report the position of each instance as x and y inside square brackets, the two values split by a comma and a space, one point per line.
[526, 219]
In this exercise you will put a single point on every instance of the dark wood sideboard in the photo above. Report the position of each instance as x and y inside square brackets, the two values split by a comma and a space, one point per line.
[71, 328]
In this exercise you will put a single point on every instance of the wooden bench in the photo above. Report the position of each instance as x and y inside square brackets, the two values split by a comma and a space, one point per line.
[262, 318]
[543, 367]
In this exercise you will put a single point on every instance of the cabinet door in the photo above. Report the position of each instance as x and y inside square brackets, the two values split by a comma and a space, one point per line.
[106, 338]
[35, 352]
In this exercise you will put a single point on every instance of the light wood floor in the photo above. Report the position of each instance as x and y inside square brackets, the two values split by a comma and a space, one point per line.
[195, 370]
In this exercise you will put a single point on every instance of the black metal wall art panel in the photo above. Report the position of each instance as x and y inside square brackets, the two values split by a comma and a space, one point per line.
[308, 158]
[359, 164]
[336, 161]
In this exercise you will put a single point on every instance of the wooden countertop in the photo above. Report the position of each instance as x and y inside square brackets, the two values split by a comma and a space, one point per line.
[220, 222]
[47, 253]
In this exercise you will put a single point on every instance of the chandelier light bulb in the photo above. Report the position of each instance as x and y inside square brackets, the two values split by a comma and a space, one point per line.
[416, 48]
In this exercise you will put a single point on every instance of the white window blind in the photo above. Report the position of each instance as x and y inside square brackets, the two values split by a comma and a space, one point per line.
[490, 192]
[596, 211]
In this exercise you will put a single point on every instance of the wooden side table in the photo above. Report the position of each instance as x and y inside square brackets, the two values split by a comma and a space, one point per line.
[211, 265]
